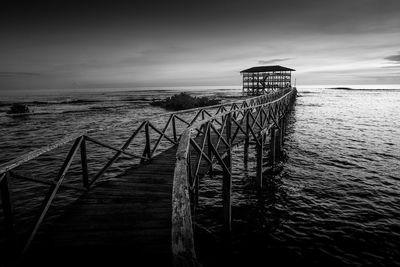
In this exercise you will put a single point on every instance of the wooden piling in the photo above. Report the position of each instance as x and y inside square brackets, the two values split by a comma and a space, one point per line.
[7, 209]
[146, 151]
[209, 151]
[272, 146]
[278, 144]
[227, 180]
[283, 130]
[246, 142]
[84, 165]
[260, 160]
[226, 196]
[246, 153]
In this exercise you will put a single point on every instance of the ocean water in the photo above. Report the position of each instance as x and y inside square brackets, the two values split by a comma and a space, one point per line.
[335, 200]
[109, 116]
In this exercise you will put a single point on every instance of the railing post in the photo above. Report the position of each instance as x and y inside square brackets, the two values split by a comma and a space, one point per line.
[85, 173]
[278, 142]
[174, 128]
[202, 127]
[196, 191]
[227, 179]
[283, 129]
[260, 160]
[7, 210]
[246, 141]
[209, 150]
[272, 146]
[52, 191]
[146, 152]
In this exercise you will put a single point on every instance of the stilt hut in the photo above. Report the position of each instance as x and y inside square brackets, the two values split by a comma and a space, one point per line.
[266, 79]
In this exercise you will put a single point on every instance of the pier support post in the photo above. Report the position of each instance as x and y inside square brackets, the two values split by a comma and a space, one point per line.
[174, 128]
[246, 142]
[196, 192]
[278, 142]
[209, 150]
[283, 129]
[227, 180]
[260, 160]
[85, 173]
[226, 195]
[272, 146]
[146, 151]
[7, 211]
[246, 153]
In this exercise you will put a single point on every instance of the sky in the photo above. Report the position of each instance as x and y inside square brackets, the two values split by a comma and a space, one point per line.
[100, 44]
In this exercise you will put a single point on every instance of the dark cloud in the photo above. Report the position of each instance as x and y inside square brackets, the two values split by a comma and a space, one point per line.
[233, 15]
[17, 73]
[273, 61]
[395, 58]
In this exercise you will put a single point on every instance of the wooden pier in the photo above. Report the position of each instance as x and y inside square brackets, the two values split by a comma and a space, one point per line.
[144, 215]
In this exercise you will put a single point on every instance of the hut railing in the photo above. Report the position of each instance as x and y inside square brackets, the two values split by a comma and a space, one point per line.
[201, 123]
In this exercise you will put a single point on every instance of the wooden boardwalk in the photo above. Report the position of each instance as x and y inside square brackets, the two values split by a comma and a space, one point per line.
[120, 219]
[128, 217]
[143, 216]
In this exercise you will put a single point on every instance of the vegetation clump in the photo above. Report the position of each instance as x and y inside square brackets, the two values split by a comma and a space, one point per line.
[18, 108]
[184, 101]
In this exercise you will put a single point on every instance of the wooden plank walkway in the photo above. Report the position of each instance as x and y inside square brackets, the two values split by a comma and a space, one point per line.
[125, 219]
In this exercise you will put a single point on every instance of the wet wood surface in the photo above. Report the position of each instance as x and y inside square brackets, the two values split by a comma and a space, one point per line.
[127, 216]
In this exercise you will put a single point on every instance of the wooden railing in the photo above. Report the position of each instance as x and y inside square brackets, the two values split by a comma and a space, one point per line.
[211, 139]
[202, 122]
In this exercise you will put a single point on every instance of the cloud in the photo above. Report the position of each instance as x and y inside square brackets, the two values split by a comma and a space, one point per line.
[391, 67]
[17, 73]
[275, 60]
[395, 58]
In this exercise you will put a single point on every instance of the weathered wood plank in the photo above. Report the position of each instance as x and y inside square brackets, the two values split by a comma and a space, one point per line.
[182, 233]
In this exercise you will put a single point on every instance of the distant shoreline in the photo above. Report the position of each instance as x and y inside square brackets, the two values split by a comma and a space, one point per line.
[359, 89]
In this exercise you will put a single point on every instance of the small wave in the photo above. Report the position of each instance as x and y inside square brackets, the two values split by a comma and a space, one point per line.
[65, 101]
[307, 92]
[106, 107]
[143, 99]
[28, 114]
[79, 111]
[309, 105]
[342, 164]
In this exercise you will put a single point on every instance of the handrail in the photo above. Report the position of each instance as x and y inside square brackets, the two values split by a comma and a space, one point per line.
[182, 244]
[197, 124]
[7, 166]
[182, 232]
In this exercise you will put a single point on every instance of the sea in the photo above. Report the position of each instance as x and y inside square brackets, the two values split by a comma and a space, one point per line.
[334, 200]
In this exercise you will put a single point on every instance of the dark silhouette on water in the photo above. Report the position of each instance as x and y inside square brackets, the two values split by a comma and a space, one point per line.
[184, 101]
[19, 109]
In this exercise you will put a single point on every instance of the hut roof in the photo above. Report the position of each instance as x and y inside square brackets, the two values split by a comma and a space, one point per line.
[266, 69]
